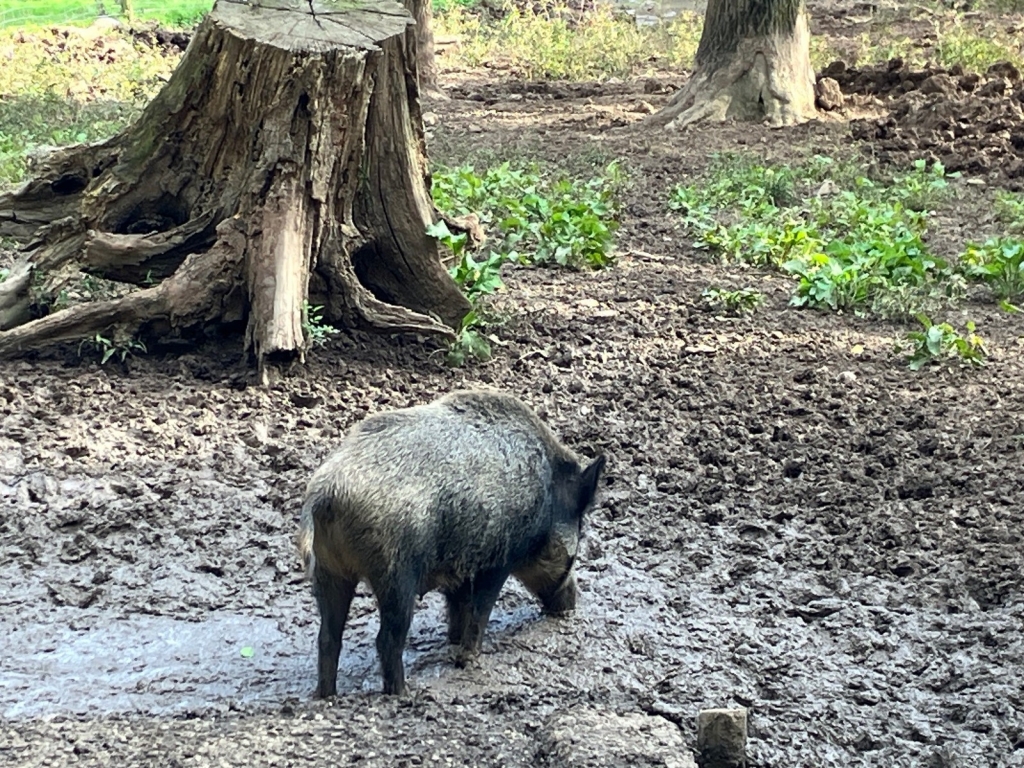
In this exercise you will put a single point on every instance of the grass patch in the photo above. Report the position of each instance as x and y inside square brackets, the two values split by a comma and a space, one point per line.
[173, 13]
[974, 44]
[558, 43]
[851, 243]
[57, 90]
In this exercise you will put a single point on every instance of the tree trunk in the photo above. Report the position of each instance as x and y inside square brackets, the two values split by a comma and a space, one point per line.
[287, 147]
[753, 63]
[422, 13]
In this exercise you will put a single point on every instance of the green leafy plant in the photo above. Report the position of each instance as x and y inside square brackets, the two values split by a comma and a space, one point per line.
[738, 302]
[936, 342]
[469, 341]
[313, 326]
[537, 220]
[850, 241]
[476, 278]
[115, 346]
[998, 262]
[1010, 210]
[3, 274]
[923, 186]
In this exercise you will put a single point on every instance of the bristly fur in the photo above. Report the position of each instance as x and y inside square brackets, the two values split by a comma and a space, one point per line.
[454, 495]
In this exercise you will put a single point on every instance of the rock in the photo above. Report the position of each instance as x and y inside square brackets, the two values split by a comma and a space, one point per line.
[969, 82]
[828, 188]
[722, 738]
[829, 95]
[595, 739]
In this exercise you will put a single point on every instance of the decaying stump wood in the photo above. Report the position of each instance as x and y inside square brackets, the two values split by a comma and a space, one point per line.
[286, 148]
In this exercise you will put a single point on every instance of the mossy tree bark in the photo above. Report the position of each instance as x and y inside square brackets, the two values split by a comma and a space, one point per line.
[753, 63]
[285, 156]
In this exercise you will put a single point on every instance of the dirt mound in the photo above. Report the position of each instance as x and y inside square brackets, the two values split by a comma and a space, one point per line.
[969, 122]
[155, 36]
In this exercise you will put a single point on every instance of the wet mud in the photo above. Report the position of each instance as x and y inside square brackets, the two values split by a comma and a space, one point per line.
[791, 521]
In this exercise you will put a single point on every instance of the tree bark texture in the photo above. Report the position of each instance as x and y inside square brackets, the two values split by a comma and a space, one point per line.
[753, 63]
[422, 13]
[287, 146]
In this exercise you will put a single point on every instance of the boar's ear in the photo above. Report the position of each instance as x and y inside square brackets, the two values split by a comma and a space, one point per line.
[588, 484]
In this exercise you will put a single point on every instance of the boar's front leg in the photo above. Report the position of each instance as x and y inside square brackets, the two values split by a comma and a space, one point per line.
[459, 612]
[333, 596]
[480, 593]
[395, 603]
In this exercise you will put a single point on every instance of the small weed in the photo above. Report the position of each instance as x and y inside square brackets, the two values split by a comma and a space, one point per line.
[3, 274]
[998, 262]
[313, 325]
[738, 302]
[469, 342]
[1010, 210]
[476, 278]
[938, 342]
[479, 278]
[114, 346]
[923, 187]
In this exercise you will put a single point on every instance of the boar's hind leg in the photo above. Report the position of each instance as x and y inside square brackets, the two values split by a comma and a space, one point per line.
[333, 596]
[396, 605]
[479, 596]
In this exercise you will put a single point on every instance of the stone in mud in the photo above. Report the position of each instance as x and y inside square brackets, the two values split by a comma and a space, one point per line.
[829, 95]
[722, 738]
[456, 495]
[595, 739]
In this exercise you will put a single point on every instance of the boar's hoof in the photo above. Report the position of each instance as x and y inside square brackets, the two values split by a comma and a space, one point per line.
[465, 657]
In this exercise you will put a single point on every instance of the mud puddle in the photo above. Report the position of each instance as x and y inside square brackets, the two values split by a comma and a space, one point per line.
[156, 665]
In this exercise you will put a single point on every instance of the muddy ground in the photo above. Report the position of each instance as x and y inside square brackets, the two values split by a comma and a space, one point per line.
[791, 521]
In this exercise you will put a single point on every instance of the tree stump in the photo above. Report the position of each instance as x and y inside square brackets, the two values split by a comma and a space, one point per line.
[285, 155]
[753, 63]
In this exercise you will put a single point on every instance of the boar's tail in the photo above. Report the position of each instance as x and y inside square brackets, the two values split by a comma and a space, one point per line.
[304, 539]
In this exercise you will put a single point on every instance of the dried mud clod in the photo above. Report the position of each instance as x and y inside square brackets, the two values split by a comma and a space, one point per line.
[969, 122]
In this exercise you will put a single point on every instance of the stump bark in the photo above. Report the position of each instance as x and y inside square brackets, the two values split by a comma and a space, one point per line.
[284, 160]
